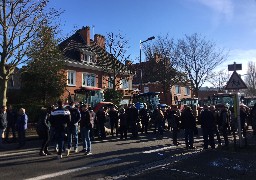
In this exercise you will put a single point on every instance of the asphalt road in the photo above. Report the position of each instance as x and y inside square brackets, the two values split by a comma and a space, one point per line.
[143, 158]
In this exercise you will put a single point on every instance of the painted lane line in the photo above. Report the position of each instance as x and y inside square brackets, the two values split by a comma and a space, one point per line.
[18, 153]
[161, 149]
[60, 173]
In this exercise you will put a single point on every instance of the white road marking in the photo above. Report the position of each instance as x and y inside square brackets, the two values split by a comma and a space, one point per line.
[18, 153]
[60, 173]
[161, 149]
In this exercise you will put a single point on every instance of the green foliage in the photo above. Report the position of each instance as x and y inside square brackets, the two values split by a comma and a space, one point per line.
[32, 110]
[43, 80]
[113, 96]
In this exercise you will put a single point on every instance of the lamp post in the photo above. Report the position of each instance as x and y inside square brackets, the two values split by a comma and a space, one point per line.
[141, 42]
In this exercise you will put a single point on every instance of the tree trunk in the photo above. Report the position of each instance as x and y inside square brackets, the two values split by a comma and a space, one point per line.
[3, 91]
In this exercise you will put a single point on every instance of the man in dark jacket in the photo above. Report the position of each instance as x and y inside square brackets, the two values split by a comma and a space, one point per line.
[208, 124]
[3, 123]
[72, 128]
[59, 119]
[188, 122]
[113, 116]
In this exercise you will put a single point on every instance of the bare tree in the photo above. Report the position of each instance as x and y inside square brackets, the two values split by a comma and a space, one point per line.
[250, 79]
[19, 22]
[219, 79]
[113, 62]
[162, 65]
[198, 57]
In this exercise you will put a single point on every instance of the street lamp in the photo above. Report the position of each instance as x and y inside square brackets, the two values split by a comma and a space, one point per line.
[141, 42]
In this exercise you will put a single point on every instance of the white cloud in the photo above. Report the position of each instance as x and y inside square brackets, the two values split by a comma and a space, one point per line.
[241, 57]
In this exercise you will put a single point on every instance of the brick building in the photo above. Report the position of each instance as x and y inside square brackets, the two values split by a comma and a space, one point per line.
[86, 80]
[176, 92]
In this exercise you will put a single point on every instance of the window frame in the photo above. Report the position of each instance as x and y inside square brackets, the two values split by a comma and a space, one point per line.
[86, 75]
[68, 78]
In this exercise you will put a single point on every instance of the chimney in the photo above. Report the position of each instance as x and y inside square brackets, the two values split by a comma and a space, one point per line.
[85, 33]
[99, 40]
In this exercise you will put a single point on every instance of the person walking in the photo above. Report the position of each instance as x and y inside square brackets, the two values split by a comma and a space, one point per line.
[11, 121]
[22, 125]
[3, 124]
[72, 128]
[207, 124]
[59, 119]
[43, 130]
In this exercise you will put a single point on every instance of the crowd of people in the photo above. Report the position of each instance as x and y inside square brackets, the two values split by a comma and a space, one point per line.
[16, 122]
[61, 126]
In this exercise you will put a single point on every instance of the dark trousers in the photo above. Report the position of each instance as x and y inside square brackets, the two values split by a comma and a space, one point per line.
[7, 131]
[60, 135]
[224, 132]
[45, 143]
[175, 135]
[114, 124]
[102, 133]
[21, 137]
[123, 132]
[134, 129]
[144, 127]
[189, 137]
[208, 135]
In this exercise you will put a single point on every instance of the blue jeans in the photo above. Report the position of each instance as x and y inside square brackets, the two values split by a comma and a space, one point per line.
[72, 131]
[85, 135]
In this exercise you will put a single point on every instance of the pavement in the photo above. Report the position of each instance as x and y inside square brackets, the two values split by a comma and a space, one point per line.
[221, 163]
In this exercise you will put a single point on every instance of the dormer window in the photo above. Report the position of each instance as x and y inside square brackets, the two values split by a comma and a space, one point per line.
[87, 57]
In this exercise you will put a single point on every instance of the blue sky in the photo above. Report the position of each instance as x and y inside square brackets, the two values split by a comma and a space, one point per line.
[231, 24]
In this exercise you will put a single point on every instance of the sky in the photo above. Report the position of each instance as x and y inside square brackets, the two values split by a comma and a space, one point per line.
[231, 24]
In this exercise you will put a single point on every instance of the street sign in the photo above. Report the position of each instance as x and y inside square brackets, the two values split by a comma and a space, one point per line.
[234, 67]
[236, 82]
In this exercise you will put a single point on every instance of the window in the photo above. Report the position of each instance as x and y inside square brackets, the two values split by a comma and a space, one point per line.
[87, 57]
[110, 84]
[177, 90]
[187, 91]
[88, 79]
[124, 84]
[71, 78]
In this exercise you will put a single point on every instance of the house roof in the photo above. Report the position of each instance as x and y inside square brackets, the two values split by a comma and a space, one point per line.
[73, 45]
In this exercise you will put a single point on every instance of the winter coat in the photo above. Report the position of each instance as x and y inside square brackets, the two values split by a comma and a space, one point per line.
[22, 122]
[207, 119]
[85, 120]
[188, 120]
